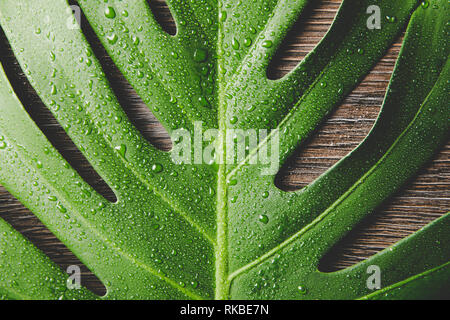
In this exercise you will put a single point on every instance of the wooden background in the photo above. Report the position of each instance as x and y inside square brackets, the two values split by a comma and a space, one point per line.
[422, 200]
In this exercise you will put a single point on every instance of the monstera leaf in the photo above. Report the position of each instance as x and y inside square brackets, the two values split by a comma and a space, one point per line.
[217, 229]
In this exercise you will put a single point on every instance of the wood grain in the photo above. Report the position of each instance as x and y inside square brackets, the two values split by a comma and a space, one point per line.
[421, 200]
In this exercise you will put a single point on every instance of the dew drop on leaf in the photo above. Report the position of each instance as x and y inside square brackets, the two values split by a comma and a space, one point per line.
[425, 4]
[223, 16]
[267, 44]
[157, 168]
[302, 290]
[235, 44]
[112, 38]
[61, 208]
[247, 42]
[122, 150]
[263, 219]
[110, 13]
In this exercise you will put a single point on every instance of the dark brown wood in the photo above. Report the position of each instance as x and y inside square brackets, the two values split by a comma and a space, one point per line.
[422, 200]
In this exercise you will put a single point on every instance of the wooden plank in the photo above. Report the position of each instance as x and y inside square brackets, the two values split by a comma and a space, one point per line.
[422, 200]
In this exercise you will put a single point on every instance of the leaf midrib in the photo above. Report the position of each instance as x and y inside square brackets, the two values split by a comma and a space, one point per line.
[221, 254]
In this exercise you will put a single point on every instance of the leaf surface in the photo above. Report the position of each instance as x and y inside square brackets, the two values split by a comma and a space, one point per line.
[221, 230]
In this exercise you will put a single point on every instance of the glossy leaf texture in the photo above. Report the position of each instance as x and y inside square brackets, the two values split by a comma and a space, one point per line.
[218, 231]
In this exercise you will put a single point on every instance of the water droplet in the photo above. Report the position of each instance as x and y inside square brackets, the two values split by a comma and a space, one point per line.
[54, 90]
[61, 208]
[112, 38]
[136, 40]
[233, 120]
[122, 150]
[263, 218]
[222, 16]
[235, 44]
[302, 289]
[425, 4]
[265, 194]
[267, 44]
[110, 13]
[157, 168]
[247, 42]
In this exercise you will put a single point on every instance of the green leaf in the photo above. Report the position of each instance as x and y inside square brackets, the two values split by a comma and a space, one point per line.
[26, 273]
[220, 230]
